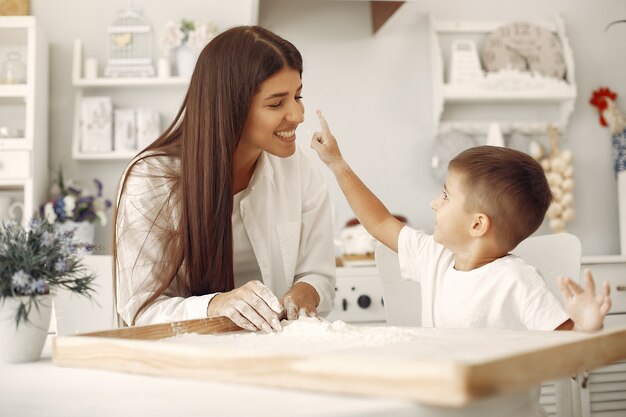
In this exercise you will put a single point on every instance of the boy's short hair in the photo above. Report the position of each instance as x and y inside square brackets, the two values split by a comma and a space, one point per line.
[507, 185]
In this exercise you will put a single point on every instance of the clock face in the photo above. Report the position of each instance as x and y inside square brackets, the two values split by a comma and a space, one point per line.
[525, 47]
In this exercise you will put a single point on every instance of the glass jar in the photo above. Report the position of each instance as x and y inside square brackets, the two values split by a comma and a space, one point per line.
[13, 70]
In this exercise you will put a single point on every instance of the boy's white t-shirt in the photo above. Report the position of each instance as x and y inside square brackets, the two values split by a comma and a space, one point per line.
[504, 294]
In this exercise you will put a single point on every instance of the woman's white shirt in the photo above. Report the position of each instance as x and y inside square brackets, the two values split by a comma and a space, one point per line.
[246, 268]
[285, 212]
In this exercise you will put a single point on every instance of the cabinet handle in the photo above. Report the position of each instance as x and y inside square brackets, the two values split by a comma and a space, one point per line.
[621, 288]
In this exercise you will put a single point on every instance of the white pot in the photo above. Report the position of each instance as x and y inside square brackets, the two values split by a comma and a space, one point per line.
[23, 343]
[84, 232]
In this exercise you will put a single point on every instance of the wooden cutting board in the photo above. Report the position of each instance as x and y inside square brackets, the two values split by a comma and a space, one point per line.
[445, 367]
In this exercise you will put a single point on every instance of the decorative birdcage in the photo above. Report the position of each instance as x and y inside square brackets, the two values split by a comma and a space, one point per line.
[130, 46]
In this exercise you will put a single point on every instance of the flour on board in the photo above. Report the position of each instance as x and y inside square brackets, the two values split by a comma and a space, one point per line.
[305, 335]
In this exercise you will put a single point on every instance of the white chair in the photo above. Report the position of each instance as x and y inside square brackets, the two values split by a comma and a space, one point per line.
[78, 314]
[553, 255]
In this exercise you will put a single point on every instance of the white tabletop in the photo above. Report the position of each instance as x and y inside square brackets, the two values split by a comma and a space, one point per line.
[44, 390]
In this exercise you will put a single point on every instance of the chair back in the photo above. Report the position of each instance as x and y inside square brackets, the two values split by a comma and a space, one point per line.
[403, 299]
[552, 255]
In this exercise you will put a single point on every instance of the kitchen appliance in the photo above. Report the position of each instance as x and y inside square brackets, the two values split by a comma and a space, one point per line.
[358, 296]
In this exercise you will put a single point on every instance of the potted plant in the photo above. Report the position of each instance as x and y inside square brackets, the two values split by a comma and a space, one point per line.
[35, 262]
[74, 207]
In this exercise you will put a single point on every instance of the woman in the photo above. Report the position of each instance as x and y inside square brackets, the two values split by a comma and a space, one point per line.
[223, 213]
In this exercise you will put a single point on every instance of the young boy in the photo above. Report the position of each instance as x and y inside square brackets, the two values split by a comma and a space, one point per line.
[492, 200]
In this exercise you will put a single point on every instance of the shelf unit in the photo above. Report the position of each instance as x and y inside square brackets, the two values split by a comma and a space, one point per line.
[24, 107]
[87, 86]
[505, 88]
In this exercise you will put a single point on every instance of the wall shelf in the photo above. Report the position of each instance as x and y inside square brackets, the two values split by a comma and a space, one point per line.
[13, 90]
[104, 86]
[474, 93]
[103, 156]
[506, 87]
[130, 82]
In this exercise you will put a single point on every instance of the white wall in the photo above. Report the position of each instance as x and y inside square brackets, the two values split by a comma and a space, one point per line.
[375, 90]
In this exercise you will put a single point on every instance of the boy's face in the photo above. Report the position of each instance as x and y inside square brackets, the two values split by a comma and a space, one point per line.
[452, 222]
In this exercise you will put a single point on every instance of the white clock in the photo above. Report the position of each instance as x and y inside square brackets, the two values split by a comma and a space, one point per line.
[525, 47]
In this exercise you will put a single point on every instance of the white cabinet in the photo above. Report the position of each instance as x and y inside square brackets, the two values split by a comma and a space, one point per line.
[24, 115]
[125, 92]
[605, 394]
[473, 104]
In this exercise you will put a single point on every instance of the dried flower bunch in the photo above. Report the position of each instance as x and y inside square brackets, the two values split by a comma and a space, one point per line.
[38, 260]
[194, 33]
[74, 203]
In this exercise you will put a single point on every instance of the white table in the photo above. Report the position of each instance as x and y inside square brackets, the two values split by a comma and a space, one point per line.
[42, 389]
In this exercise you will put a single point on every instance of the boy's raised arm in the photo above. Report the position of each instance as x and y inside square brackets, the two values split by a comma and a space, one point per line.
[370, 211]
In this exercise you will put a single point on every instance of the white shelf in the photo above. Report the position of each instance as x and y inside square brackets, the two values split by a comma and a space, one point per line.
[130, 82]
[475, 93]
[13, 183]
[104, 156]
[603, 259]
[89, 86]
[25, 34]
[507, 87]
[13, 90]
[14, 144]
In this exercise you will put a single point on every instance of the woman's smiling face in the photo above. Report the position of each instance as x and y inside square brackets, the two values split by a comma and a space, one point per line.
[275, 112]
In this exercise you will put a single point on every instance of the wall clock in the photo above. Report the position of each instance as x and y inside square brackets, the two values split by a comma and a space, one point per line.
[526, 47]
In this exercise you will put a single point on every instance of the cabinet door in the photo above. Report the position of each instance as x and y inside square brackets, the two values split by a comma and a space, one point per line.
[605, 394]
[15, 86]
[615, 274]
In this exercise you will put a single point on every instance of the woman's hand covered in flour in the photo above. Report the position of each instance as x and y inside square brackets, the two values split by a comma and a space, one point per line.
[325, 145]
[300, 301]
[252, 307]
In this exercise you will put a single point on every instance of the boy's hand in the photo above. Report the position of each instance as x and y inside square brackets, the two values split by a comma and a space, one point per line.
[325, 145]
[586, 310]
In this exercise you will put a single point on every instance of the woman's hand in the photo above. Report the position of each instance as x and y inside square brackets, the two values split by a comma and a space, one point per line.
[301, 299]
[325, 145]
[252, 307]
[586, 310]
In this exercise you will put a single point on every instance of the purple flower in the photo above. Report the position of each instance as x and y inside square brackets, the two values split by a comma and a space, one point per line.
[89, 205]
[99, 186]
[74, 190]
[39, 286]
[21, 282]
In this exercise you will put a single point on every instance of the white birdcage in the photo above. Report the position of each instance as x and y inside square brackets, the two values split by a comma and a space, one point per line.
[130, 46]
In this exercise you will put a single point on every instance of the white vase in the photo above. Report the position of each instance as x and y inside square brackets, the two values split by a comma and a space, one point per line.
[84, 232]
[23, 343]
[185, 60]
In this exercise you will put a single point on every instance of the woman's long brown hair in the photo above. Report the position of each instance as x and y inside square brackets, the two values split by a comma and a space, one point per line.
[198, 251]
